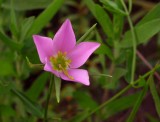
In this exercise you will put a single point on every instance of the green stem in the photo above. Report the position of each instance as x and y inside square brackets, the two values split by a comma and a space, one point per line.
[133, 41]
[110, 100]
[48, 98]
[120, 93]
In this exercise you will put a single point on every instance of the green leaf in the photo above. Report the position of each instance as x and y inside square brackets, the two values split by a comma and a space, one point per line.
[154, 94]
[57, 87]
[118, 23]
[152, 15]
[143, 32]
[104, 49]
[37, 87]
[101, 16]
[7, 111]
[137, 104]
[13, 23]
[112, 7]
[84, 100]
[23, 5]
[87, 33]
[45, 17]
[8, 69]
[32, 107]
[26, 25]
[13, 45]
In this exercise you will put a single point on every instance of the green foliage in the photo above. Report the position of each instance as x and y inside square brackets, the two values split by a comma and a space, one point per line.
[154, 94]
[45, 17]
[143, 32]
[115, 71]
[27, 4]
[57, 82]
[120, 104]
[137, 104]
[113, 7]
[101, 16]
[37, 87]
[32, 107]
[83, 99]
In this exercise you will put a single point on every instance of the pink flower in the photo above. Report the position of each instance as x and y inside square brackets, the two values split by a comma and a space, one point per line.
[61, 56]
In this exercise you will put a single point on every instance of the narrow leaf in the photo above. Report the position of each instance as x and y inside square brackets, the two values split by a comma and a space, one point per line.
[120, 104]
[137, 104]
[13, 23]
[151, 15]
[86, 34]
[143, 32]
[118, 22]
[37, 87]
[101, 16]
[31, 106]
[57, 87]
[25, 26]
[155, 95]
[113, 7]
[45, 16]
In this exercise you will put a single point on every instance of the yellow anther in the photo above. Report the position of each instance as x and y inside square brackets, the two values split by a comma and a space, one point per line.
[61, 63]
[66, 72]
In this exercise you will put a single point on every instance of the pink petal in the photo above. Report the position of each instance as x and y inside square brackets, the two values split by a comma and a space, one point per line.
[65, 39]
[49, 68]
[79, 75]
[81, 53]
[44, 47]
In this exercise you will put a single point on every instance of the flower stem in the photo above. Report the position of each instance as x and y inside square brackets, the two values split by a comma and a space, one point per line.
[48, 98]
[133, 41]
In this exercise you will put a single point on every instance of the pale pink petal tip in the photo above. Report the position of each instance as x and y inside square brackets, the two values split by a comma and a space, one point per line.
[65, 39]
[79, 75]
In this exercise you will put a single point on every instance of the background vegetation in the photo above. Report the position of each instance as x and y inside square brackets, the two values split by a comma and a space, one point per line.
[129, 33]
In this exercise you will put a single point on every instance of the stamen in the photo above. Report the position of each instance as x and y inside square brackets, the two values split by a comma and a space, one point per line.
[61, 63]
[66, 72]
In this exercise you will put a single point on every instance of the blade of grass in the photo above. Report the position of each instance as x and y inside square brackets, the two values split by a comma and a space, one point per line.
[86, 34]
[137, 104]
[33, 108]
[101, 16]
[45, 17]
[155, 95]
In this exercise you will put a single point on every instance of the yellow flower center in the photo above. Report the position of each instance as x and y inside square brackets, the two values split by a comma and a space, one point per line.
[61, 63]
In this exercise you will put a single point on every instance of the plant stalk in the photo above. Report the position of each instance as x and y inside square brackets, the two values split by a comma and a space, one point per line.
[48, 98]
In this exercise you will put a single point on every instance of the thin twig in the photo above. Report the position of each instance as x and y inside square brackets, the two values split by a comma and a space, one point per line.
[147, 64]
